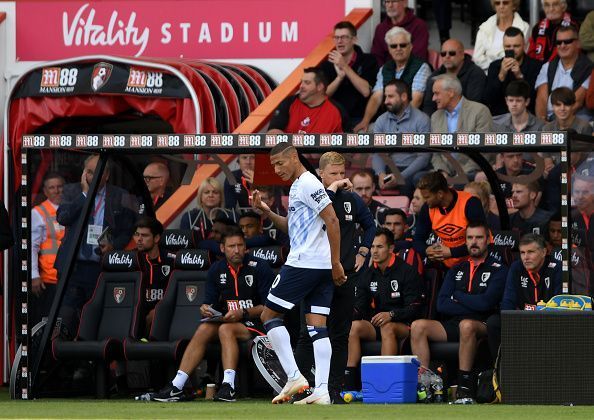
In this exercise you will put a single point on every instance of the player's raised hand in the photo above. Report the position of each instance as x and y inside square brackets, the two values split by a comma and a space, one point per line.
[338, 275]
[257, 202]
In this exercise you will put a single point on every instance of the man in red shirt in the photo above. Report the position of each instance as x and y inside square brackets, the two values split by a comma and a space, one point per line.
[310, 111]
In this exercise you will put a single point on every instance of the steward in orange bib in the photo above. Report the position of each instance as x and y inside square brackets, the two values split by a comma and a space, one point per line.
[446, 212]
[46, 237]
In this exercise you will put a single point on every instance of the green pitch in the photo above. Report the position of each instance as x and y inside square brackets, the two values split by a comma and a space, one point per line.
[262, 409]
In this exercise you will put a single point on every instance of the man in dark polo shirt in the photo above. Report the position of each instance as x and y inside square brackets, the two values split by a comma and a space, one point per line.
[350, 72]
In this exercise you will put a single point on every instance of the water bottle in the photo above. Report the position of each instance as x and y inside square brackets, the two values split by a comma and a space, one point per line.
[437, 389]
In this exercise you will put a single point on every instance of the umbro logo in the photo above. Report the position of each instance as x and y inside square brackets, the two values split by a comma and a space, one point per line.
[449, 229]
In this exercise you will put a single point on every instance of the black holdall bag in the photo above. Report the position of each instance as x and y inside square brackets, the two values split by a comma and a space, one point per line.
[488, 390]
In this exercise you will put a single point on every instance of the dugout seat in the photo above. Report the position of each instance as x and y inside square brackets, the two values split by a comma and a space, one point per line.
[274, 255]
[109, 317]
[177, 315]
[175, 239]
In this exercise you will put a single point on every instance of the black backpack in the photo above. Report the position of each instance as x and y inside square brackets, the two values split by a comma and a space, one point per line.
[488, 390]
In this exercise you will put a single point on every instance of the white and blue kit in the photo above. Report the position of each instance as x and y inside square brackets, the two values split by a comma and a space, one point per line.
[307, 274]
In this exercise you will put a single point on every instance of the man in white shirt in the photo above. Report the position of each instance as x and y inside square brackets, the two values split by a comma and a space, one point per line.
[312, 264]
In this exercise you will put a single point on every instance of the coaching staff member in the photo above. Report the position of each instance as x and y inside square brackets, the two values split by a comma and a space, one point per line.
[535, 277]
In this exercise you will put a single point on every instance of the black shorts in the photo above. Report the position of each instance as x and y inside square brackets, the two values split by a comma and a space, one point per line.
[452, 326]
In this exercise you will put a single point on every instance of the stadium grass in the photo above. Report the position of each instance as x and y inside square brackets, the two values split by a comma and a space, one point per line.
[262, 409]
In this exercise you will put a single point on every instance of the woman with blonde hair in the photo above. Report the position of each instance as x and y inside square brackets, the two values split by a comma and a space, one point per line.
[210, 204]
[482, 191]
[489, 38]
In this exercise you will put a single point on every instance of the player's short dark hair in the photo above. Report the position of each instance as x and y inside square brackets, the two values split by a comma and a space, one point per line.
[401, 87]
[230, 232]
[387, 233]
[433, 182]
[479, 224]
[530, 238]
[518, 88]
[283, 147]
[150, 223]
[563, 95]
[251, 214]
[395, 212]
[345, 24]
[513, 31]
[319, 75]
[556, 217]
[533, 186]
[224, 220]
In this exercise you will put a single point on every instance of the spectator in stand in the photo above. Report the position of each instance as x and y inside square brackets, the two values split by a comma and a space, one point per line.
[156, 176]
[489, 46]
[401, 117]
[364, 186]
[351, 73]
[587, 35]
[156, 264]
[514, 165]
[389, 297]
[403, 66]
[514, 67]
[570, 69]
[518, 119]
[400, 15]
[582, 216]
[238, 194]
[482, 191]
[563, 100]
[542, 45]
[416, 203]
[470, 293]
[529, 218]
[46, 237]
[310, 111]
[535, 277]
[455, 114]
[446, 212]
[459, 64]
[210, 204]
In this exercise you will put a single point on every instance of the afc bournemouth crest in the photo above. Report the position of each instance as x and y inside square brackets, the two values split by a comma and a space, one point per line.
[165, 269]
[119, 293]
[249, 280]
[100, 75]
[347, 207]
[191, 293]
[394, 284]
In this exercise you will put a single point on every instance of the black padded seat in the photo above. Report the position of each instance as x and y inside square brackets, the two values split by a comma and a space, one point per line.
[177, 315]
[110, 316]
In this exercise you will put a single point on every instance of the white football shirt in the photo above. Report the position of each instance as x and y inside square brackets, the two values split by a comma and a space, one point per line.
[310, 247]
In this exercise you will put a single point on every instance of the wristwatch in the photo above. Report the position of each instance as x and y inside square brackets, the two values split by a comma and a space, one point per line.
[363, 254]
[246, 314]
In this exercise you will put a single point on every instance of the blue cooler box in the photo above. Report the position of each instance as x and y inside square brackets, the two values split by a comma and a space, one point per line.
[389, 379]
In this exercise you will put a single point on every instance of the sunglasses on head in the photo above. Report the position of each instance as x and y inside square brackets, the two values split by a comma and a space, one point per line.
[565, 41]
[450, 53]
[394, 46]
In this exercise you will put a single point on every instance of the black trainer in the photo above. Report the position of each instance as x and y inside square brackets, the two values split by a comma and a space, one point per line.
[168, 394]
[225, 393]
[335, 397]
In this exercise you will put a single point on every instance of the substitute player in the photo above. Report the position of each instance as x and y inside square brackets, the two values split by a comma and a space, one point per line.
[236, 286]
[312, 264]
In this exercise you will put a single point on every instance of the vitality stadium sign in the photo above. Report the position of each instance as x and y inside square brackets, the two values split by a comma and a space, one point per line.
[202, 29]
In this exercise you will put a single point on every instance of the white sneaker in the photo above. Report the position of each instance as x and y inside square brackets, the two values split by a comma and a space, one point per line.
[322, 398]
[291, 388]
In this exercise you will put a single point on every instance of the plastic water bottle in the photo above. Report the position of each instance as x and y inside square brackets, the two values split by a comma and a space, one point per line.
[437, 388]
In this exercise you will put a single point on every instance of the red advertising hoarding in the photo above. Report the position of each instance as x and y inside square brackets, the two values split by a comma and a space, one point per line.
[204, 29]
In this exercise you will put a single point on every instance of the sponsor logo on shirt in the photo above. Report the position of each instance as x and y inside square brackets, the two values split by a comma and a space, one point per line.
[319, 195]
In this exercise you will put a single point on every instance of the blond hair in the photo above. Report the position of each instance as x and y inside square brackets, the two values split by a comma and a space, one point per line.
[210, 181]
[484, 192]
[331, 158]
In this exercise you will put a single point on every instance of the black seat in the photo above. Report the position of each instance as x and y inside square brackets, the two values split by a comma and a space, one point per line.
[274, 255]
[176, 239]
[109, 317]
[177, 315]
